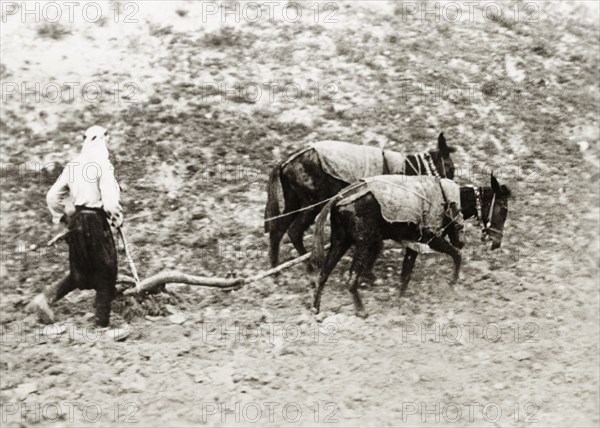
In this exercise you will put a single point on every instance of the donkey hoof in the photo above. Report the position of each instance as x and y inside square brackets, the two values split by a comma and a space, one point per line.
[369, 277]
[314, 310]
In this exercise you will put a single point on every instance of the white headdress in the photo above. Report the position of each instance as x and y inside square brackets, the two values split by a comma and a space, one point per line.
[94, 142]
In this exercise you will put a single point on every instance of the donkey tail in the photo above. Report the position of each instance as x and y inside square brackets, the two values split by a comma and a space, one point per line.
[318, 252]
[272, 208]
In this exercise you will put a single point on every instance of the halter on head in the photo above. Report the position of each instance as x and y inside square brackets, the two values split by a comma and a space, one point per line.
[479, 212]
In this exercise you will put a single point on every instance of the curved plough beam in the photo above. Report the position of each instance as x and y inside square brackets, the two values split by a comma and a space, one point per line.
[182, 278]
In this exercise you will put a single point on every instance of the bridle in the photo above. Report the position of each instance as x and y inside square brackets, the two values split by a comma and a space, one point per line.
[479, 213]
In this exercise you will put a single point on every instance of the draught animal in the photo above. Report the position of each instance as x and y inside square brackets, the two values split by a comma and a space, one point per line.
[320, 170]
[388, 207]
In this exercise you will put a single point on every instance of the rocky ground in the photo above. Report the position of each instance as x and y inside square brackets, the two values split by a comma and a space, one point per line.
[200, 110]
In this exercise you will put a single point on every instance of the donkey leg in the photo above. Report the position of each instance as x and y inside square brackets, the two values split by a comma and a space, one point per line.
[443, 246]
[368, 274]
[297, 230]
[338, 248]
[280, 226]
[364, 256]
[275, 236]
[410, 257]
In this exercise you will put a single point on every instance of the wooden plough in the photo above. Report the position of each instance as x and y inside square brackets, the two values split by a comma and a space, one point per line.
[179, 277]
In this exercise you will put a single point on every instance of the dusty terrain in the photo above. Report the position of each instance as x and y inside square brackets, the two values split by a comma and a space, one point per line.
[515, 345]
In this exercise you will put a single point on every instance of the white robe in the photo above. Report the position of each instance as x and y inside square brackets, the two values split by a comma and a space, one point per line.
[89, 181]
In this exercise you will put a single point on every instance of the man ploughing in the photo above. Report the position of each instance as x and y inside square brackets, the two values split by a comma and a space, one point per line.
[86, 199]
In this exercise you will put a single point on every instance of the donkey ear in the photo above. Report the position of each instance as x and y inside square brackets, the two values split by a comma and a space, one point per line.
[443, 147]
[495, 185]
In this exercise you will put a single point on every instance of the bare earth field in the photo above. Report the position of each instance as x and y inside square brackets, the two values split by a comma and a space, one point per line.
[200, 108]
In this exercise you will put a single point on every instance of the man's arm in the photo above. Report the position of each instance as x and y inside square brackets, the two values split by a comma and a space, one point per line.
[110, 193]
[55, 198]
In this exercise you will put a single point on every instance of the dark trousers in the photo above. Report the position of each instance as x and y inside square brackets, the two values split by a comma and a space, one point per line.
[92, 260]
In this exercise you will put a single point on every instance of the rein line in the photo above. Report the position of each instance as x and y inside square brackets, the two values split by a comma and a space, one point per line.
[347, 189]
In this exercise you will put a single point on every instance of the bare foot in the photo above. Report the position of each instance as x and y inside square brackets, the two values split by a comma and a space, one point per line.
[39, 306]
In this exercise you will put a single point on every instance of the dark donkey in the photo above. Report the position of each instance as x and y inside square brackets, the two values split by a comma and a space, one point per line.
[360, 222]
[489, 205]
[306, 182]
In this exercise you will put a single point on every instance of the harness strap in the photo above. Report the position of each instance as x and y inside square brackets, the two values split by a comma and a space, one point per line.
[435, 173]
[431, 169]
[478, 199]
[444, 167]
[443, 193]
[386, 168]
[489, 219]
[295, 155]
[415, 169]
[423, 159]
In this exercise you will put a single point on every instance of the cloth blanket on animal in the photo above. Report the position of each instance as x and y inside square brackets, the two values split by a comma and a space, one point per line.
[410, 199]
[351, 162]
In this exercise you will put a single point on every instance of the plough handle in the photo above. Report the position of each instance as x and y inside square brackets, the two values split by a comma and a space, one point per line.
[129, 258]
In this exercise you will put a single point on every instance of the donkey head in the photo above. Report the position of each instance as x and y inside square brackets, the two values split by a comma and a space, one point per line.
[441, 158]
[494, 210]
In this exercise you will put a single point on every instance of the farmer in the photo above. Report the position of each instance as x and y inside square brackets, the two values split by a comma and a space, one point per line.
[86, 199]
